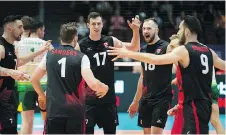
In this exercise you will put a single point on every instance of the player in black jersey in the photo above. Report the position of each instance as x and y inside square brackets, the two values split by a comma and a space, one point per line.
[196, 63]
[13, 29]
[67, 71]
[154, 95]
[103, 112]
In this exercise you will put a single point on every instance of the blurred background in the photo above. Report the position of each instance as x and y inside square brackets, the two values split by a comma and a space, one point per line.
[169, 14]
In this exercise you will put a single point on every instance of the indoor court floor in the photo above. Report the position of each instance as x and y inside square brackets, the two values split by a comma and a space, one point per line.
[126, 126]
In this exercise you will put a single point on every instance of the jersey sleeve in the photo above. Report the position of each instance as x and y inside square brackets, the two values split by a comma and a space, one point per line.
[85, 62]
[42, 64]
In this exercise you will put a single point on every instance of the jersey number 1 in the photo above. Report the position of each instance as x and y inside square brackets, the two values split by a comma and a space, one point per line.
[63, 66]
[96, 55]
[204, 62]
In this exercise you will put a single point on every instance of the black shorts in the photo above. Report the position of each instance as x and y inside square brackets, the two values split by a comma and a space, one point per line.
[197, 116]
[8, 111]
[67, 125]
[102, 115]
[153, 115]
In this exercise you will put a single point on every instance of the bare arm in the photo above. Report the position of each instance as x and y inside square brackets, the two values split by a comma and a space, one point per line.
[134, 45]
[39, 72]
[25, 59]
[15, 74]
[100, 88]
[218, 62]
[176, 55]
[138, 94]
[92, 82]
[35, 80]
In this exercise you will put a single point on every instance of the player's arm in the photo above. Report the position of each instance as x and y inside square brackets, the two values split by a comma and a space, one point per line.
[138, 94]
[15, 74]
[217, 61]
[169, 58]
[39, 72]
[25, 59]
[134, 45]
[100, 88]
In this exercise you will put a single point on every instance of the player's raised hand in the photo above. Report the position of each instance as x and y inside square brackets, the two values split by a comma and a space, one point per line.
[46, 46]
[135, 25]
[133, 109]
[118, 52]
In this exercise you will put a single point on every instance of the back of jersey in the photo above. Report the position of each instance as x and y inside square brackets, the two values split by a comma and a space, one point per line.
[197, 77]
[65, 96]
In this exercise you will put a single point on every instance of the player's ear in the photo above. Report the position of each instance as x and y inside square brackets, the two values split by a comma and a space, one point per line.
[187, 31]
[9, 27]
[88, 25]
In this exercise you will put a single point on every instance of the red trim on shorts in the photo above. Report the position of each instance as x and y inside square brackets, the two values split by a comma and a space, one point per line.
[44, 130]
[81, 88]
[179, 116]
[196, 118]
[0, 126]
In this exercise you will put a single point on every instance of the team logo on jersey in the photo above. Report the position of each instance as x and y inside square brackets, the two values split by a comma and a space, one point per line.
[106, 44]
[158, 51]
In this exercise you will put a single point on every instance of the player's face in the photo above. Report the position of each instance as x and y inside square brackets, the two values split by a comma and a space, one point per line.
[95, 25]
[41, 32]
[17, 30]
[173, 44]
[181, 33]
[149, 31]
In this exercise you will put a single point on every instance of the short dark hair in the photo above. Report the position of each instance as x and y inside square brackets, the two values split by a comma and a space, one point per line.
[193, 24]
[152, 19]
[35, 25]
[11, 18]
[93, 15]
[27, 21]
[68, 31]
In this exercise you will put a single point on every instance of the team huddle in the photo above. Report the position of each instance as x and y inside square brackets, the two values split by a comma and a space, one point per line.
[80, 91]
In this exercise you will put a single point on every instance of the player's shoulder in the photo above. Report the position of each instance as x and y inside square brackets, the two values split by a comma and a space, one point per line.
[162, 43]
[83, 41]
[143, 48]
[104, 37]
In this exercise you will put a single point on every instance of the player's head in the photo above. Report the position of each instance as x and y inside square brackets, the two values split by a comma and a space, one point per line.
[174, 42]
[38, 28]
[190, 26]
[13, 26]
[69, 33]
[95, 23]
[150, 29]
[27, 21]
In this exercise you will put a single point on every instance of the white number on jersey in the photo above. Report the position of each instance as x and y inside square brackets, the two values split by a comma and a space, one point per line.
[97, 56]
[63, 66]
[204, 62]
[149, 66]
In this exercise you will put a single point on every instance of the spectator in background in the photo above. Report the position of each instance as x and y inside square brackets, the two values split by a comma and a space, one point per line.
[209, 15]
[117, 21]
[179, 19]
[82, 27]
[220, 27]
[157, 18]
